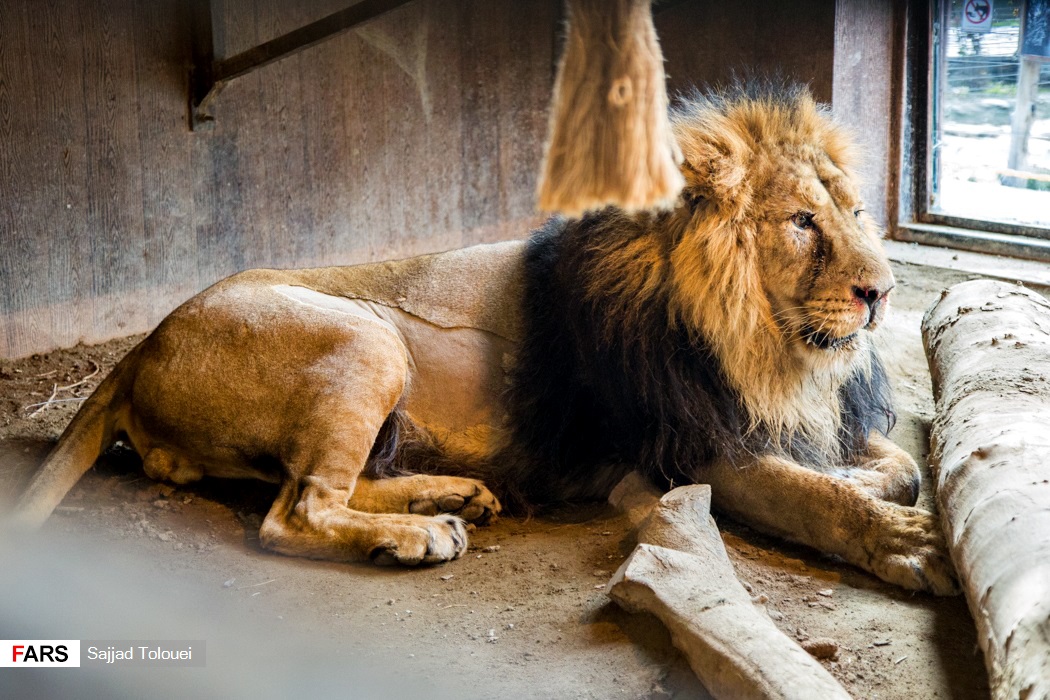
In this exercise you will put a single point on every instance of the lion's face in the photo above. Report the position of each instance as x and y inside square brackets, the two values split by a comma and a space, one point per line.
[779, 251]
[819, 256]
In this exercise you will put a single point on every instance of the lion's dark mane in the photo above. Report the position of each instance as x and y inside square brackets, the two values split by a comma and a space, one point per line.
[587, 406]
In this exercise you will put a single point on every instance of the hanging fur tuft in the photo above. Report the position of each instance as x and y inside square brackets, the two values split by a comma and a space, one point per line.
[610, 140]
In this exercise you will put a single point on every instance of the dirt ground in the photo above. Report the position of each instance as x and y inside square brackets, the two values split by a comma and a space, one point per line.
[523, 614]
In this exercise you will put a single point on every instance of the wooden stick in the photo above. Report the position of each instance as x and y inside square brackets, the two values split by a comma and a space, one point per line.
[988, 345]
[680, 573]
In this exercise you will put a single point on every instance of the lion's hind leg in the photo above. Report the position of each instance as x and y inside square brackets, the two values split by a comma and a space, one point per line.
[314, 514]
[324, 456]
[311, 519]
[425, 494]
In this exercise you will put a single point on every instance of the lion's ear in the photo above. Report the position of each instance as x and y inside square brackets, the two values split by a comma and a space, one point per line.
[715, 166]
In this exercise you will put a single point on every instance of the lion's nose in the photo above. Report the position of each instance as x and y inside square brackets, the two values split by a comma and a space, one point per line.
[869, 295]
[872, 297]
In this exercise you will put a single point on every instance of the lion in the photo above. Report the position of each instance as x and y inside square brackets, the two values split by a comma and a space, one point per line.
[726, 341]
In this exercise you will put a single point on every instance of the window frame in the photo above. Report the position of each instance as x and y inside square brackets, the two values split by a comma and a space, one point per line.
[916, 222]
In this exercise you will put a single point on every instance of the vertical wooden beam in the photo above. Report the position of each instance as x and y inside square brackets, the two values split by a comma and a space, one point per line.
[913, 180]
[1021, 121]
[867, 88]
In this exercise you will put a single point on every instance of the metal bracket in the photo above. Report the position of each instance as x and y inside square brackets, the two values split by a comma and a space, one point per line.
[209, 73]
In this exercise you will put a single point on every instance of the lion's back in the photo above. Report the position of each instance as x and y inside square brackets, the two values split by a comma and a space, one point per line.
[476, 287]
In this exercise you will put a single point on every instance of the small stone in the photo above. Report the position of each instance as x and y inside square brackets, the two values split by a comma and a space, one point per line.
[821, 648]
[228, 583]
[827, 592]
[448, 577]
[490, 549]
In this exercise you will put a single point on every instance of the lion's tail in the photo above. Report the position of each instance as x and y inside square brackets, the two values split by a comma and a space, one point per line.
[90, 432]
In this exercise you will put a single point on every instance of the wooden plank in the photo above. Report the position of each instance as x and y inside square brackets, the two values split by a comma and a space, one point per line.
[113, 161]
[479, 196]
[867, 86]
[525, 85]
[264, 135]
[440, 77]
[62, 204]
[165, 147]
[18, 178]
[397, 182]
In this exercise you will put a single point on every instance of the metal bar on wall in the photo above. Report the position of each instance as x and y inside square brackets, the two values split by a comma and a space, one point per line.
[210, 74]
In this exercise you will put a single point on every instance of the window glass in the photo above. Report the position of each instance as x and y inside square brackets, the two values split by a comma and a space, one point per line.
[990, 134]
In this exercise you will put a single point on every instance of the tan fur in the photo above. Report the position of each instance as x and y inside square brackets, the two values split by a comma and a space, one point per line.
[288, 376]
[610, 142]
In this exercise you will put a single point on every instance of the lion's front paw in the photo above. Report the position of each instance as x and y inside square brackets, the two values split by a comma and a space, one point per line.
[425, 541]
[467, 498]
[908, 549]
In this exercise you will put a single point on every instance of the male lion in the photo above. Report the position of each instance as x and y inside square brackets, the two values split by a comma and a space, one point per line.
[726, 342]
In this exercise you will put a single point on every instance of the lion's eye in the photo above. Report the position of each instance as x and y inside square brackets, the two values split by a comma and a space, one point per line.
[803, 219]
[858, 212]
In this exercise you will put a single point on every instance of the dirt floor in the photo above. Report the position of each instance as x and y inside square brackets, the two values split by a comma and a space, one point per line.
[523, 614]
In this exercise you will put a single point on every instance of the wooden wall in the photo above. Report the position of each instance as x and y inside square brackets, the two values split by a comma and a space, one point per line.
[709, 41]
[421, 131]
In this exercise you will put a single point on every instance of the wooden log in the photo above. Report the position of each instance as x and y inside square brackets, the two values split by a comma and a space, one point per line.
[610, 140]
[988, 346]
[680, 573]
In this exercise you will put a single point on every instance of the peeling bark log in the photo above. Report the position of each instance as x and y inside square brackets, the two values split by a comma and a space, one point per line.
[680, 573]
[988, 345]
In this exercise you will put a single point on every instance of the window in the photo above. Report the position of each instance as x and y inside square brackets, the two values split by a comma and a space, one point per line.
[982, 140]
